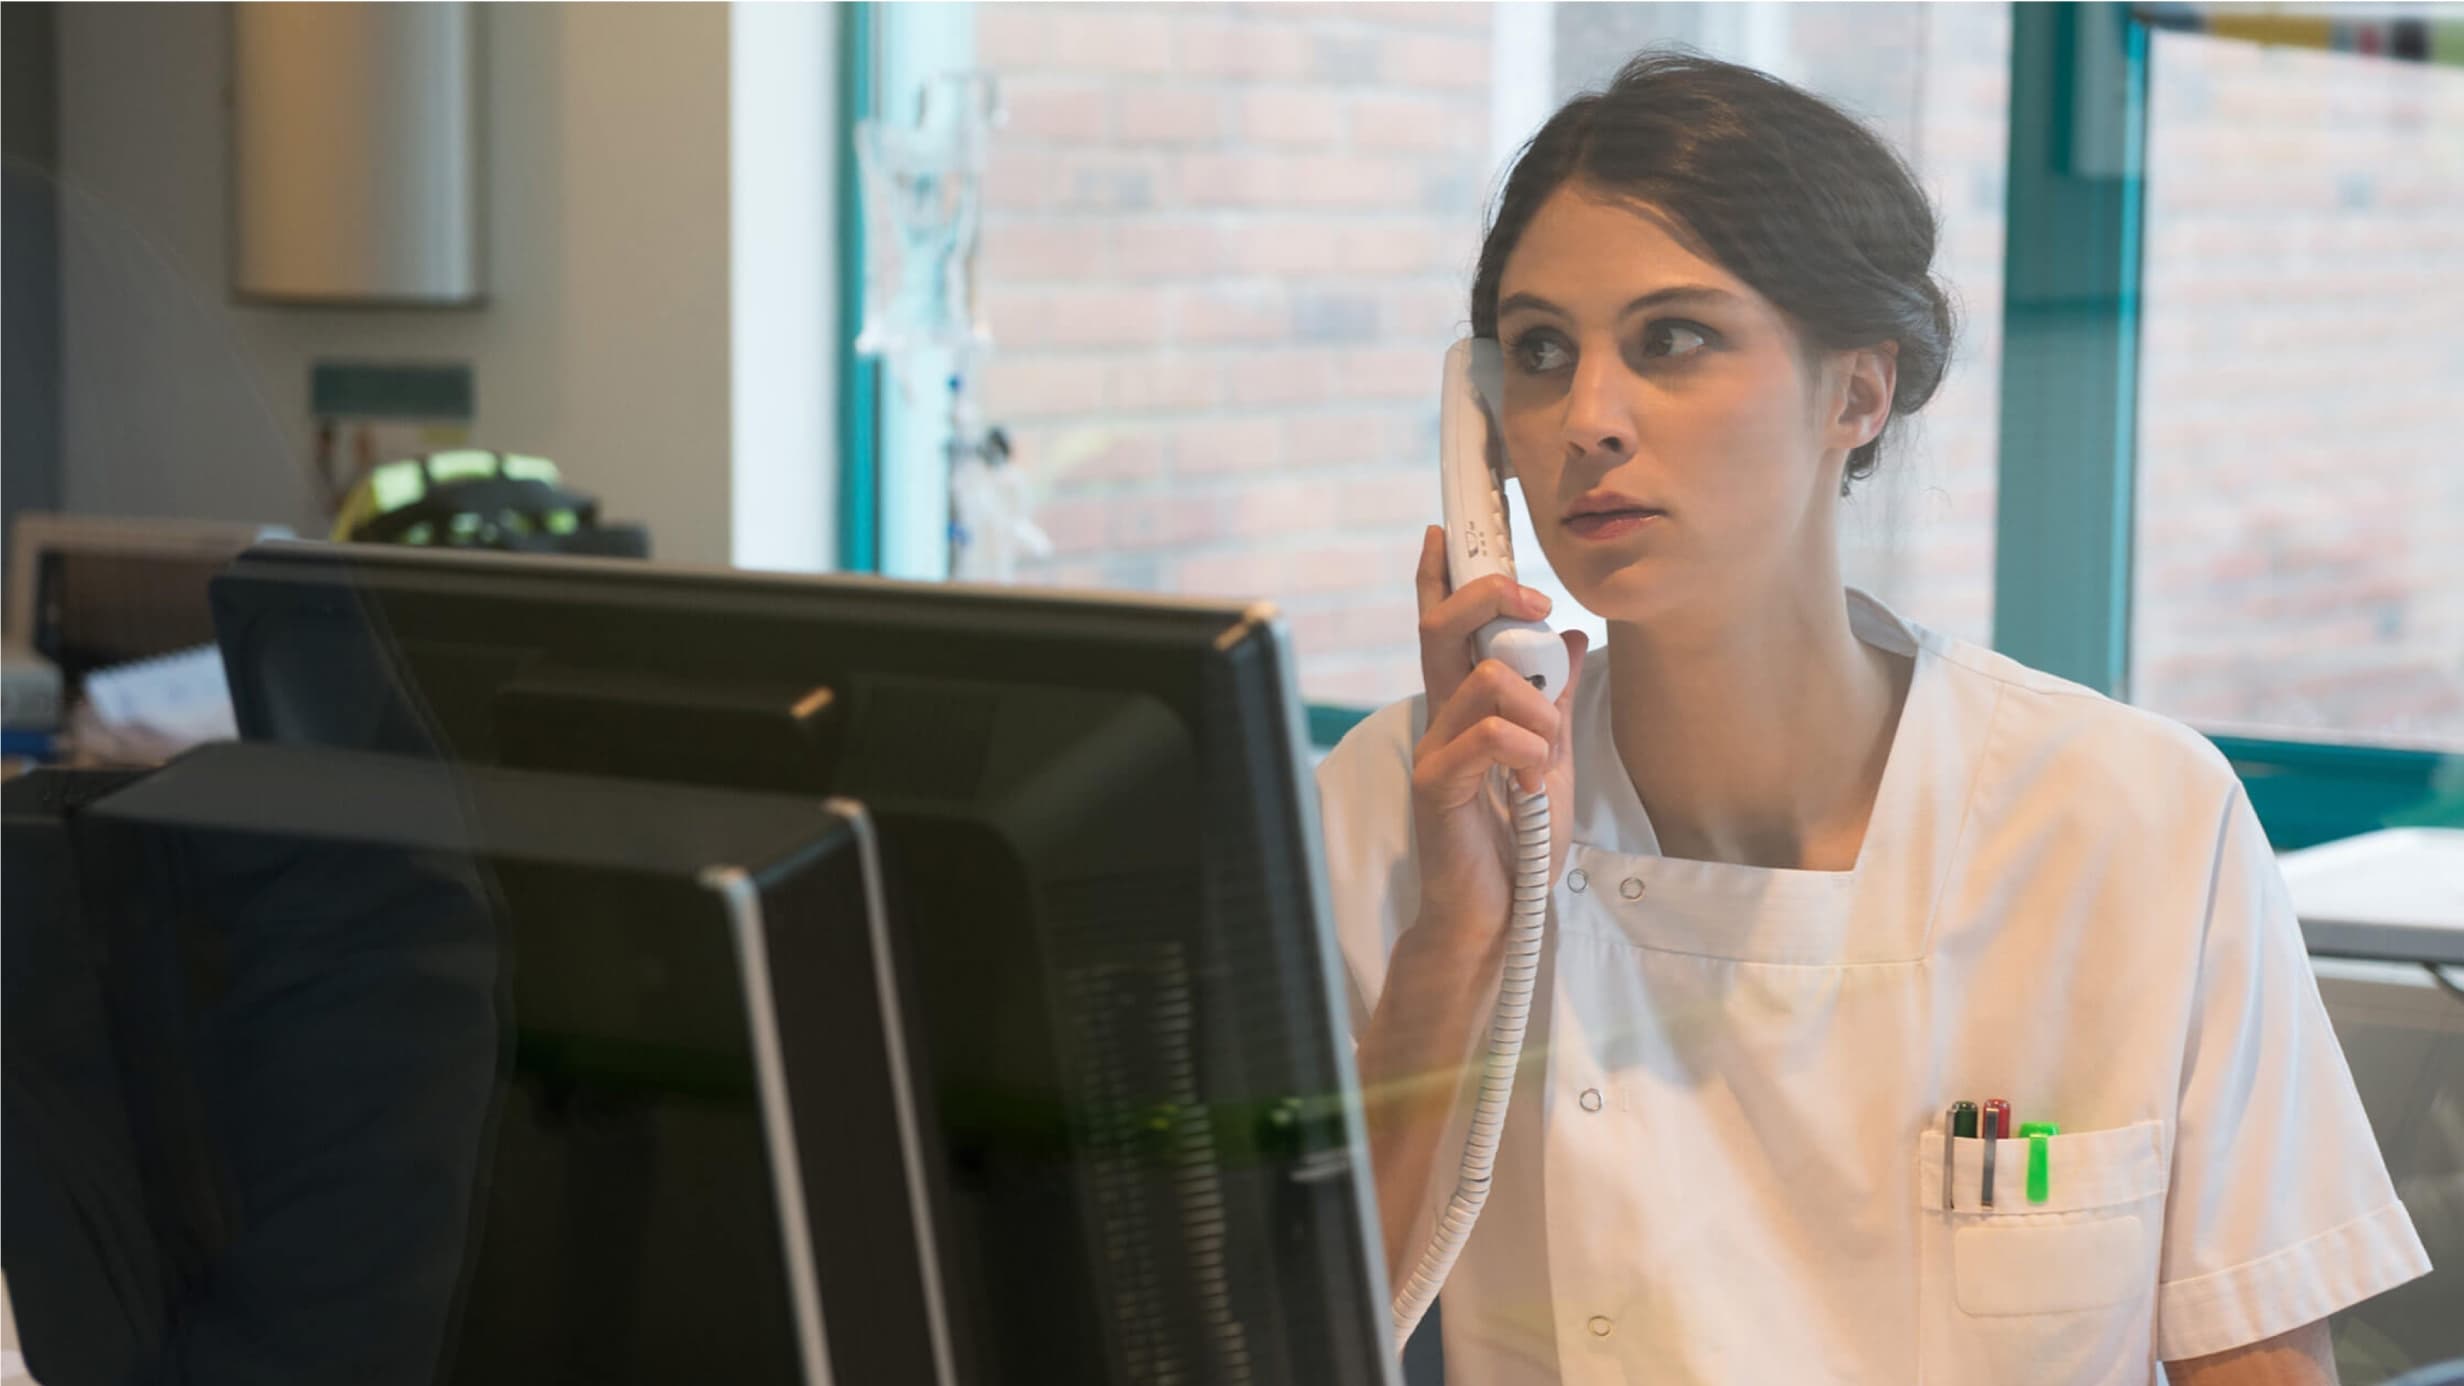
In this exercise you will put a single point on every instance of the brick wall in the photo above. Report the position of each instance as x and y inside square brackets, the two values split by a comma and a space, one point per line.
[2301, 507]
[1224, 249]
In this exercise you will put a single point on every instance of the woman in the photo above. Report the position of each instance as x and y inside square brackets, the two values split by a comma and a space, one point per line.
[1817, 872]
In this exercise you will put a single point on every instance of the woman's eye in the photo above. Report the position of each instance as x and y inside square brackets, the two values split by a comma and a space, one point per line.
[1539, 353]
[1675, 338]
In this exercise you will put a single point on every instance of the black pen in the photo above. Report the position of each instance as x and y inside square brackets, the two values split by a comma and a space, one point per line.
[1959, 1121]
[1997, 1124]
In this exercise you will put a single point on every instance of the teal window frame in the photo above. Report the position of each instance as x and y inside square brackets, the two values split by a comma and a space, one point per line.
[859, 403]
[2064, 530]
[894, 520]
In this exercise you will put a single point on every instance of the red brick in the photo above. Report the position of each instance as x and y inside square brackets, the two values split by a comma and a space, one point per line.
[1397, 373]
[1355, 564]
[1325, 567]
[1284, 245]
[1109, 181]
[1261, 49]
[1110, 455]
[1105, 38]
[1437, 60]
[1042, 386]
[1077, 576]
[1349, 181]
[1278, 375]
[1012, 37]
[1340, 439]
[1016, 316]
[1269, 508]
[1444, 15]
[1194, 521]
[1214, 447]
[1294, 180]
[1150, 383]
[1426, 310]
[1166, 521]
[1390, 121]
[1401, 496]
[1231, 315]
[1077, 526]
[1356, 625]
[1072, 458]
[1176, 249]
[1284, 115]
[1055, 110]
[1019, 251]
[1102, 317]
[1224, 180]
[1452, 14]
[1404, 247]
[1170, 114]
[1021, 180]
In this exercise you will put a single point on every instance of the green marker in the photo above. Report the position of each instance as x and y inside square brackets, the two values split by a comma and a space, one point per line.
[2040, 1182]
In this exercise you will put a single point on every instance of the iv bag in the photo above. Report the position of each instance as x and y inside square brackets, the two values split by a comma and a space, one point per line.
[923, 190]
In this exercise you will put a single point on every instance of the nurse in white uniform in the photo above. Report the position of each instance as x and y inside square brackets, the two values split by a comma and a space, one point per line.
[1817, 871]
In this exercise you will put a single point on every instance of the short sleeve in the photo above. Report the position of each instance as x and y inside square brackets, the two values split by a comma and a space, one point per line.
[2280, 1211]
[1365, 824]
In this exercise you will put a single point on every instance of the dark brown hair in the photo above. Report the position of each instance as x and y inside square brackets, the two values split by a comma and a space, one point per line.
[1784, 190]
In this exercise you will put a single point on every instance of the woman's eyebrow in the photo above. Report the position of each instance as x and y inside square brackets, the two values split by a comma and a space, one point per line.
[1674, 292]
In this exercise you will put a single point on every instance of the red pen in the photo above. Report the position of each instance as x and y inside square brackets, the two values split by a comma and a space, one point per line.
[1997, 1124]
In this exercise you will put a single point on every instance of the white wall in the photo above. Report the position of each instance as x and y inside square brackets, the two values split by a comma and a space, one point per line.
[783, 94]
[605, 342]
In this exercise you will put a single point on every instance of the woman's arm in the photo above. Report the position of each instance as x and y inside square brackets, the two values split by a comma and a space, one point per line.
[1411, 1063]
[2302, 1357]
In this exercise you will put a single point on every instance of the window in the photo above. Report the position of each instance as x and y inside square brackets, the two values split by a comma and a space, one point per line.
[1224, 249]
[2298, 566]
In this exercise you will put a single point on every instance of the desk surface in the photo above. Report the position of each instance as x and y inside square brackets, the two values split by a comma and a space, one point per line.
[2396, 895]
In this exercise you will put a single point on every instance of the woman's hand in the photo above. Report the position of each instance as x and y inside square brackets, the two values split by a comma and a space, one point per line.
[1445, 966]
[1482, 716]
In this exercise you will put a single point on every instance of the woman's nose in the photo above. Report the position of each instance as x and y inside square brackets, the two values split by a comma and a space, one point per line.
[1599, 417]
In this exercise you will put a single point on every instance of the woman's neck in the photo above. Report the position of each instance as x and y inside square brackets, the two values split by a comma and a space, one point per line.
[1758, 739]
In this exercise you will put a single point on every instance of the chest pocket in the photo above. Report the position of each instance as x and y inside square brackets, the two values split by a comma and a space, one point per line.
[2061, 1290]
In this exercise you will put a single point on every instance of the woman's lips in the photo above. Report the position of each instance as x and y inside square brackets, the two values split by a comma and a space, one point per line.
[1612, 523]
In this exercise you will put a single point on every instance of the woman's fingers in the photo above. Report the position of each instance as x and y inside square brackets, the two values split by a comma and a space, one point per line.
[1494, 690]
[1449, 617]
[1450, 773]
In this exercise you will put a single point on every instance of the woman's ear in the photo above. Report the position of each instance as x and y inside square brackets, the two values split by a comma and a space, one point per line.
[1870, 378]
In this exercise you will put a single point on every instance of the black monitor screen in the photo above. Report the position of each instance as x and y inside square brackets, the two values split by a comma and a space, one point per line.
[1098, 850]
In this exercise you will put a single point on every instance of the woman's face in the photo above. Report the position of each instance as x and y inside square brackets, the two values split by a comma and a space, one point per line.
[1634, 365]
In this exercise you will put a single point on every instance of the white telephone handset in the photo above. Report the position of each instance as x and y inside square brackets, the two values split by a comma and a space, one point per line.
[1477, 544]
[1479, 540]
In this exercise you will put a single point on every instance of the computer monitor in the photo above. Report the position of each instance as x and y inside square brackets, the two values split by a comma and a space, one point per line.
[1097, 845]
[401, 1071]
[88, 591]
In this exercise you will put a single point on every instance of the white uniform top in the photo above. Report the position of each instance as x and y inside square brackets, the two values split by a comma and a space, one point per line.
[1724, 1157]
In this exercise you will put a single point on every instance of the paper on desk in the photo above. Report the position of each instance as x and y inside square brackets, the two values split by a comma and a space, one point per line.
[179, 698]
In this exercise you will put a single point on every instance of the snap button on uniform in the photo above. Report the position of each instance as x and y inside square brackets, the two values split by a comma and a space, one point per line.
[1632, 888]
[1576, 881]
[1590, 1099]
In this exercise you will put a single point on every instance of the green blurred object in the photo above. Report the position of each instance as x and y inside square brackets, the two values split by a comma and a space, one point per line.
[2040, 1178]
[468, 498]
